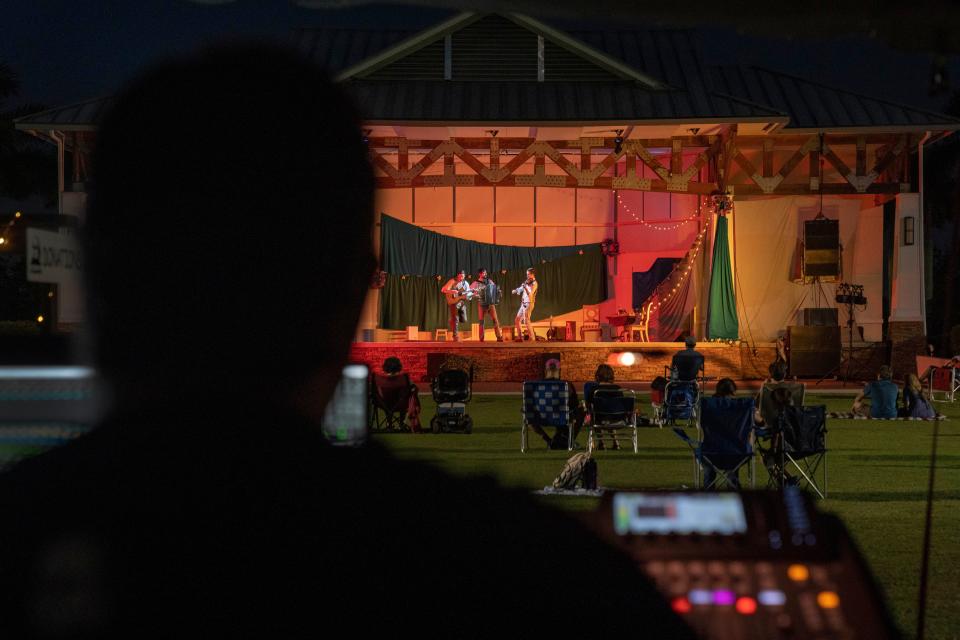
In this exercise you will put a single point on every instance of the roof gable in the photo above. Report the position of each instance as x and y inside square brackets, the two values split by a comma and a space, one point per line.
[495, 47]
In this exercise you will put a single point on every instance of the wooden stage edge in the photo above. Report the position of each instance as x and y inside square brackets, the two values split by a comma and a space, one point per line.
[517, 361]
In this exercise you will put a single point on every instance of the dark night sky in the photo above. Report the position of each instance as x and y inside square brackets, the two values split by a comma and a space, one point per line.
[66, 51]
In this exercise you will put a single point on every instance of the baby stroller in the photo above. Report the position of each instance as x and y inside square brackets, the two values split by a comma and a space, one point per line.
[451, 391]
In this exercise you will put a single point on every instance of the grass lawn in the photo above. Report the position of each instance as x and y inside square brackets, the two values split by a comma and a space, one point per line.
[878, 474]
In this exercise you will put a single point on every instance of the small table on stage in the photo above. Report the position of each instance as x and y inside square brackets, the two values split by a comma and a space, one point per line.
[622, 322]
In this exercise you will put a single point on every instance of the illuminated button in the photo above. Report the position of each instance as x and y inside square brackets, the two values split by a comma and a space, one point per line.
[828, 600]
[724, 597]
[695, 568]
[746, 606]
[798, 572]
[700, 596]
[772, 597]
[681, 605]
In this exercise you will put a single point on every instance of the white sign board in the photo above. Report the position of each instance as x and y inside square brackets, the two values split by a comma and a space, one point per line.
[53, 256]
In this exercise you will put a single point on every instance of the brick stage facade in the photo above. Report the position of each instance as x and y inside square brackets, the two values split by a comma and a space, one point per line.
[515, 362]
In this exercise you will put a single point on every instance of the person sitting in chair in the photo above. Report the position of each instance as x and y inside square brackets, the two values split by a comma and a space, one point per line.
[687, 364]
[882, 393]
[393, 368]
[726, 388]
[605, 383]
[577, 413]
[767, 411]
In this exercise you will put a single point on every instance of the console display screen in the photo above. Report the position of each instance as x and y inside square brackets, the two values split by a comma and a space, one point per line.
[681, 513]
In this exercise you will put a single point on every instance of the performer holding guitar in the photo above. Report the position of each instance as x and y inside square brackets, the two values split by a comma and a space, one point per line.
[489, 295]
[457, 292]
[528, 297]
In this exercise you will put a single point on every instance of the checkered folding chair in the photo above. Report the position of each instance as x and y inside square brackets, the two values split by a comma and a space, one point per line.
[547, 404]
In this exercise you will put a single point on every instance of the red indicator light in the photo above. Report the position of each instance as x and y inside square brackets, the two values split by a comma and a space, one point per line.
[746, 606]
[681, 605]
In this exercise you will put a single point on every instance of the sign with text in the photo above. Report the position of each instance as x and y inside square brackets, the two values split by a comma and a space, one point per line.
[53, 256]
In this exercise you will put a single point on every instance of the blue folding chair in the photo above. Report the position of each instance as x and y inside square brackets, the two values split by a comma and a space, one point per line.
[727, 444]
[547, 404]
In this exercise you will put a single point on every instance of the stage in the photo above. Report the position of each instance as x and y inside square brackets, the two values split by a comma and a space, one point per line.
[497, 362]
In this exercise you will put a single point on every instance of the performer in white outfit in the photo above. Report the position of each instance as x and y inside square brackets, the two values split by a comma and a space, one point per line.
[528, 298]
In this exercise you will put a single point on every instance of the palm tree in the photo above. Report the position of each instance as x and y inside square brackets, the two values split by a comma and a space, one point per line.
[27, 166]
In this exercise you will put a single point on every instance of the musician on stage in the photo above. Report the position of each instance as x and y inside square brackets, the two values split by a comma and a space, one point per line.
[528, 297]
[457, 293]
[488, 294]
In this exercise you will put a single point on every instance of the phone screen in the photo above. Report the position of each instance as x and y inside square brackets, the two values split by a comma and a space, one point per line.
[345, 418]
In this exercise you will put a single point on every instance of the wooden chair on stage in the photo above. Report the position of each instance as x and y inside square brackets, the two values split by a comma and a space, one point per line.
[642, 327]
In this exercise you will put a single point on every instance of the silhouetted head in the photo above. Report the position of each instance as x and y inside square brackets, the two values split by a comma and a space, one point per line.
[778, 371]
[552, 369]
[604, 373]
[885, 372]
[392, 365]
[228, 237]
[726, 388]
[690, 342]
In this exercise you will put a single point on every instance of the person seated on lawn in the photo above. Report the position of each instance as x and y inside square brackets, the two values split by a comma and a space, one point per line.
[688, 363]
[393, 368]
[916, 402]
[726, 388]
[767, 411]
[604, 378]
[207, 499]
[882, 394]
[577, 413]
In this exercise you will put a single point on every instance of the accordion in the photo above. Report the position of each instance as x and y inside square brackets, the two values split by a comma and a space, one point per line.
[489, 293]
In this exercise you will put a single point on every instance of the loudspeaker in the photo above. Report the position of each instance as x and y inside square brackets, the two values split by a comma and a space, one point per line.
[820, 317]
[821, 249]
[814, 351]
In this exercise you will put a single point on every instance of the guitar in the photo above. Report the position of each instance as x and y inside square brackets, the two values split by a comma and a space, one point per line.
[455, 296]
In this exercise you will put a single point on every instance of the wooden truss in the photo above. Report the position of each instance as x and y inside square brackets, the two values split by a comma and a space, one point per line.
[710, 171]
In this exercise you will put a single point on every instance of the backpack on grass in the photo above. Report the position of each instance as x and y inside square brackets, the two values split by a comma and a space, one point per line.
[580, 470]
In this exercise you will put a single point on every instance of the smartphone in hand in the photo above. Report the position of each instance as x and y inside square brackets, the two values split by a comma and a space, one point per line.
[345, 418]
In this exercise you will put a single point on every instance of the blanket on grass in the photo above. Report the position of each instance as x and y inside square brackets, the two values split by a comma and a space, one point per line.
[849, 415]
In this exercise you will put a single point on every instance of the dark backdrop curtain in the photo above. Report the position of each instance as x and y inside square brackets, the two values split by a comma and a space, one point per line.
[406, 249]
[565, 285]
[672, 318]
[646, 282]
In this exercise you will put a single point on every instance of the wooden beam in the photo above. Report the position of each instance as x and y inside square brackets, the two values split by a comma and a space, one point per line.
[767, 152]
[861, 156]
[676, 157]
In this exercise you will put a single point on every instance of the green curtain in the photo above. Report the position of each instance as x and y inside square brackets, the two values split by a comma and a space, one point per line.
[565, 285]
[722, 320]
[406, 249]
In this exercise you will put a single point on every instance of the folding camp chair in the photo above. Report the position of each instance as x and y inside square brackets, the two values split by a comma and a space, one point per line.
[681, 402]
[797, 444]
[727, 444]
[613, 409]
[389, 399]
[769, 409]
[943, 380]
[546, 403]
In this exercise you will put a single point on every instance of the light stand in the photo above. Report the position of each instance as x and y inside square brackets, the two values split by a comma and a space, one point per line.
[850, 295]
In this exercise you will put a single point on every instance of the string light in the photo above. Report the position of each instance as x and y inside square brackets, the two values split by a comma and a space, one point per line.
[6, 230]
[722, 205]
[656, 226]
